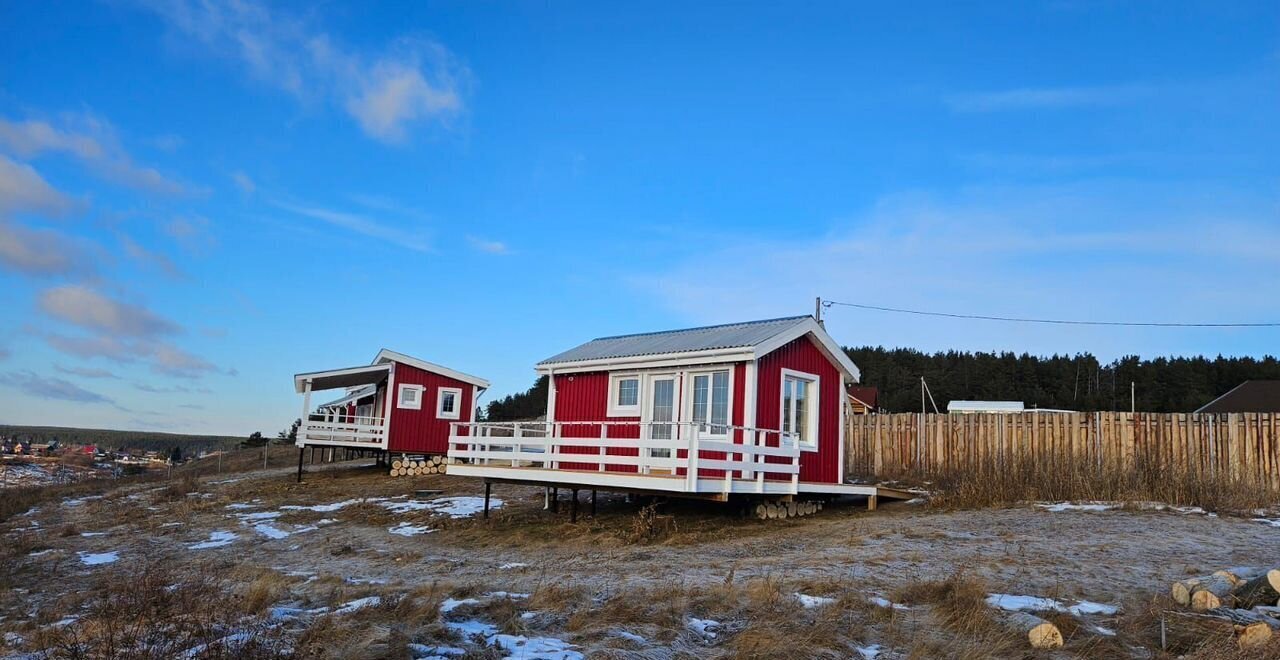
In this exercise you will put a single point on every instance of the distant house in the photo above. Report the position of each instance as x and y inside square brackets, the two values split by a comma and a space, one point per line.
[1251, 396]
[862, 399]
[965, 407]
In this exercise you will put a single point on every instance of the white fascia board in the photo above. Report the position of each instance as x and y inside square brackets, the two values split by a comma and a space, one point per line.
[658, 361]
[387, 355]
[823, 340]
[300, 380]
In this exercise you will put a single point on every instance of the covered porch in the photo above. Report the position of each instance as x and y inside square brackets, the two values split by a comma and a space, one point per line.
[360, 418]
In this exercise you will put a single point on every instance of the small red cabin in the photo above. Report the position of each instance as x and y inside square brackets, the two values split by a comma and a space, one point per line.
[755, 407]
[425, 399]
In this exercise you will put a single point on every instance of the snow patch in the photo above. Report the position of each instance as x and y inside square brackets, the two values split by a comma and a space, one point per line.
[886, 603]
[321, 508]
[454, 507]
[630, 636]
[512, 566]
[516, 646]
[451, 604]
[358, 604]
[41, 553]
[1268, 521]
[96, 558]
[409, 529]
[810, 602]
[217, 539]
[425, 652]
[869, 652]
[1076, 506]
[1013, 603]
[77, 501]
[506, 594]
[705, 627]
[270, 531]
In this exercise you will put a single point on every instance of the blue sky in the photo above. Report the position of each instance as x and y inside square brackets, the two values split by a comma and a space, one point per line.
[198, 200]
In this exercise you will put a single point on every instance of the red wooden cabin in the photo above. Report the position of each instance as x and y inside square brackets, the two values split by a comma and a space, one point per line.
[750, 408]
[425, 399]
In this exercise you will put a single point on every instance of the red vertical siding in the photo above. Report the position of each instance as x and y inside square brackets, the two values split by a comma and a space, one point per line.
[584, 397]
[420, 431]
[822, 466]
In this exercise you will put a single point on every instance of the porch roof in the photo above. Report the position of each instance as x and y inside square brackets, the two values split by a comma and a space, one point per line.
[348, 377]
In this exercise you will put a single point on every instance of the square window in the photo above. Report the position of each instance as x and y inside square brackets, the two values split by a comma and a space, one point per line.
[410, 397]
[449, 403]
[624, 395]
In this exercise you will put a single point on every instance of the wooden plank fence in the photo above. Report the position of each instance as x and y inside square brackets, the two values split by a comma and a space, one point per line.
[1240, 446]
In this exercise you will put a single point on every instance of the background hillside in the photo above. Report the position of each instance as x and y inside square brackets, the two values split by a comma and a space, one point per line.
[112, 439]
[1080, 382]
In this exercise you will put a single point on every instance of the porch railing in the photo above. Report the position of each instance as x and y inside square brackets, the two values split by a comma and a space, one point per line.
[682, 449]
[333, 427]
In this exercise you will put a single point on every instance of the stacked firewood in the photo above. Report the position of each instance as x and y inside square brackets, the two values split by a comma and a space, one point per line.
[405, 467]
[788, 509]
[1245, 601]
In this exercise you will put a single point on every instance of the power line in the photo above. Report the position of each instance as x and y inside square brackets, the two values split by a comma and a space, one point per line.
[1014, 319]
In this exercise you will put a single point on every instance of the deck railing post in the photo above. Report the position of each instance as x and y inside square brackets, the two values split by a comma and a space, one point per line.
[759, 472]
[604, 434]
[515, 451]
[692, 468]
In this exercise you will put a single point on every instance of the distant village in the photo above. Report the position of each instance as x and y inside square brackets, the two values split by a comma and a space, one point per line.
[27, 463]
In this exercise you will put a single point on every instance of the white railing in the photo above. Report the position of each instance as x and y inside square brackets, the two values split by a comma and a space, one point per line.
[334, 427]
[661, 448]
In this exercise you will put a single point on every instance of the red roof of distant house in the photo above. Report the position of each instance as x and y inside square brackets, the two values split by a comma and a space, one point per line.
[867, 395]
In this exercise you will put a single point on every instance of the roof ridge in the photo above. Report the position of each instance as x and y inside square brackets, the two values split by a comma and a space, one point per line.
[704, 327]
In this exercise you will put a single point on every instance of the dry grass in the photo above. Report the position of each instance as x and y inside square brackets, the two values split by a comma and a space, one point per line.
[992, 483]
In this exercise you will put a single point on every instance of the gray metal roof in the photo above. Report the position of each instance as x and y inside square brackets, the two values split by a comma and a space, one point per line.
[731, 335]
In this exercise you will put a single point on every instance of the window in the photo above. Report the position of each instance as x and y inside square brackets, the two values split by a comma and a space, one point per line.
[624, 395]
[800, 408]
[449, 403]
[410, 397]
[711, 402]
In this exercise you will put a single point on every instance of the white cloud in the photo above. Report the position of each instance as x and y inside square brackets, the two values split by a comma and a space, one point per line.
[414, 82]
[492, 247]
[91, 141]
[88, 309]
[362, 225]
[50, 388]
[22, 189]
[1032, 98]
[84, 372]
[41, 252]
[157, 260]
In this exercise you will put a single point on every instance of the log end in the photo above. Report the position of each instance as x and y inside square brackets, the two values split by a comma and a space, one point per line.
[1181, 594]
[1047, 636]
[1204, 600]
[1253, 635]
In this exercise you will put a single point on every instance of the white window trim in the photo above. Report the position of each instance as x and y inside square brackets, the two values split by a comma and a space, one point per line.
[815, 406]
[615, 410]
[457, 403]
[417, 402]
[688, 396]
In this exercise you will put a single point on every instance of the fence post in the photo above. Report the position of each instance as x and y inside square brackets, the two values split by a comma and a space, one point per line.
[692, 469]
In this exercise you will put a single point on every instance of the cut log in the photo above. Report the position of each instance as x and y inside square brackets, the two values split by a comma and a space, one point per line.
[761, 511]
[1040, 634]
[1252, 629]
[1261, 590]
[397, 464]
[772, 508]
[1240, 574]
[1181, 591]
[1213, 593]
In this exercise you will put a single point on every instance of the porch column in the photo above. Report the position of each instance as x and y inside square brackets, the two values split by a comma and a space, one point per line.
[306, 411]
[387, 405]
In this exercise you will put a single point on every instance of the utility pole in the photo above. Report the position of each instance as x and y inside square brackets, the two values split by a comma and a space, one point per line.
[1133, 396]
[817, 309]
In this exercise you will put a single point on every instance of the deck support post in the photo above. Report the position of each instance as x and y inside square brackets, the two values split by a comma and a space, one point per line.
[488, 485]
[555, 500]
[573, 508]
[871, 502]
[593, 503]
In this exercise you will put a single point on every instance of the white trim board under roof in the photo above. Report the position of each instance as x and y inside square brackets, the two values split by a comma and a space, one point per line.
[386, 355]
[347, 377]
[732, 342]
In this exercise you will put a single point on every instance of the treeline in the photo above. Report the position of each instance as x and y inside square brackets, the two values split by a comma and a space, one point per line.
[1071, 382]
[116, 440]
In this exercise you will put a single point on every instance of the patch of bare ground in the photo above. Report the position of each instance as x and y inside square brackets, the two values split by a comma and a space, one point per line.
[325, 577]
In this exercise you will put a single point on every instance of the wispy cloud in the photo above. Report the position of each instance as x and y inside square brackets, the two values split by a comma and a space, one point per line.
[492, 247]
[84, 372]
[413, 81]
[171, 389]
[50, 388]
[90, 140]
[361, 225]
[22, 189]
[88, 309]
[1044, 98]
[243, 182]
[149, 258]
[44, 253]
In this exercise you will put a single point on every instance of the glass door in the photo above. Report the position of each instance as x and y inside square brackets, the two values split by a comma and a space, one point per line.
[660, 412]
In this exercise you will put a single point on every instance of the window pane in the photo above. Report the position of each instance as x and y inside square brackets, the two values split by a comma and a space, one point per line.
[719, 402]
[447, 402]
[787, 409]
[628, 392]
[662, 411]
[700, 384]
[802, 410]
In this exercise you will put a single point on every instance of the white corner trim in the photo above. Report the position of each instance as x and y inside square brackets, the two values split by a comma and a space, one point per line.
[815, 404]
[456, 413]
[416, 403]
[822, 339]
